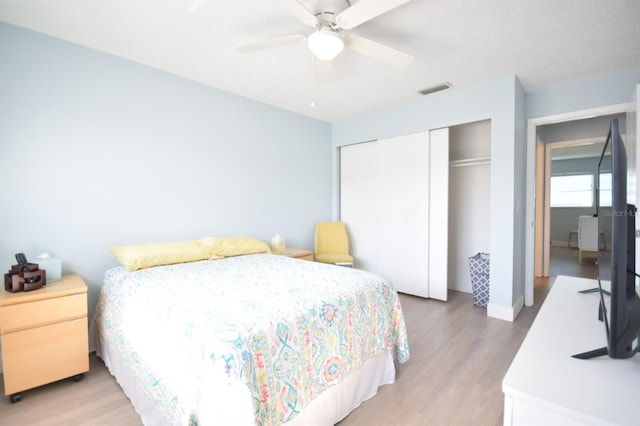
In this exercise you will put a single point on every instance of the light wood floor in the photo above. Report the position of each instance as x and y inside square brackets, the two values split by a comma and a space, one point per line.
[458, 359]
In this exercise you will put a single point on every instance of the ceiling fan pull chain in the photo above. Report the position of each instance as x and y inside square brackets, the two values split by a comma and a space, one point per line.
[313, 81]
[340, 75]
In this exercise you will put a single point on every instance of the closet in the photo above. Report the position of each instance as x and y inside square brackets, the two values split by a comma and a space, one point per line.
[469, 196]
[417, 206]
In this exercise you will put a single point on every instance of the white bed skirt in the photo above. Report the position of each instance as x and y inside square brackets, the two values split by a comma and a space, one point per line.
[336, 403]
[327, 409]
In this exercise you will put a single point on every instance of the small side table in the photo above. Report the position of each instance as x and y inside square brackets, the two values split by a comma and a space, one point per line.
[297, 253]
[44, 335]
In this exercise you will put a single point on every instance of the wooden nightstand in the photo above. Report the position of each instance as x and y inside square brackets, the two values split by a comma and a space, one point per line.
[44, 335]
[297, 253]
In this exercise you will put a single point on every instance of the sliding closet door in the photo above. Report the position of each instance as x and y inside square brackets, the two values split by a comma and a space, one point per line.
[359, 197]
[385, 202]
[403, 187]
[438, 213]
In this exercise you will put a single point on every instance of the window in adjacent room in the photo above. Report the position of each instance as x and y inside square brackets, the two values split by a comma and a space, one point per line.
[605, 189]
[573, 190]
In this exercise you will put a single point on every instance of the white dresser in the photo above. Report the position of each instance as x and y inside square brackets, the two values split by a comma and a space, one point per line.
[546, 386]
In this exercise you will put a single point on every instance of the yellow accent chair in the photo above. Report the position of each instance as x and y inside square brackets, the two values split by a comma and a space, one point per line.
[332, 244]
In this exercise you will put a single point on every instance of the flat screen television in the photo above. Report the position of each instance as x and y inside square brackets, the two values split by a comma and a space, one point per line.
[622, 321]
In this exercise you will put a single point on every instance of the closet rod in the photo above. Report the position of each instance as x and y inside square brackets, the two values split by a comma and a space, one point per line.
[470, 162]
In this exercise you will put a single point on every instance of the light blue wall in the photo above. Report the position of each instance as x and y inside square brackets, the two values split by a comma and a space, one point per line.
[520, 205]
[608, 89]
[501, 101]
[96, 151]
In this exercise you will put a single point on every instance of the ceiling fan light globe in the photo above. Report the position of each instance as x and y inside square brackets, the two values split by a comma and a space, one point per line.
[325, 44]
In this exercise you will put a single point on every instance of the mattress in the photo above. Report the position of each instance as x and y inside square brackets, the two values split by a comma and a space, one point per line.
[256, 339]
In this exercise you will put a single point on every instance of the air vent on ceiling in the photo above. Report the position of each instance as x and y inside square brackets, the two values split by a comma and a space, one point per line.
[436, 88]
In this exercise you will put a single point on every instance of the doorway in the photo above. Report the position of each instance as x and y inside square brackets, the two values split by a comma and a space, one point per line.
[538, 233]
[572, 151]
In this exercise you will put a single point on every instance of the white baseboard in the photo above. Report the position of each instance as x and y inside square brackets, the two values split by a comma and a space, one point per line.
[505, 313]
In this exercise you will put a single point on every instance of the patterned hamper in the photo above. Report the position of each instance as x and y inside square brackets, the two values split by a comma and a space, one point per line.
[479, 268]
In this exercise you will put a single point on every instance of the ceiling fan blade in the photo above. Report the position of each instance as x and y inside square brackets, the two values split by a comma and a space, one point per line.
[365, 10]
[268, 44]
[299, 11]
[378, 51]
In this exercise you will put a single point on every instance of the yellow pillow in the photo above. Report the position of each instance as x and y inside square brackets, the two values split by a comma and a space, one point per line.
[232, 246]
[141, 256]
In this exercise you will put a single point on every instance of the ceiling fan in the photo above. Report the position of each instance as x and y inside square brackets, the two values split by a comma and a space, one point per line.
[329, 19]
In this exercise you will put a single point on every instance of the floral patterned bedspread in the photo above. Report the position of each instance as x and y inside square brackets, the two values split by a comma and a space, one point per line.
[248, 339]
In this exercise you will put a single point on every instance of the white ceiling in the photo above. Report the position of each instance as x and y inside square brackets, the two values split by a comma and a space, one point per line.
[543, 42]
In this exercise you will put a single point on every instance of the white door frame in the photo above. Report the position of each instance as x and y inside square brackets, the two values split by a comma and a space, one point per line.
[530, 232]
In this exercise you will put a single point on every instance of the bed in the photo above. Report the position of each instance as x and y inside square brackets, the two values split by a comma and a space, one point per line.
[257, 339]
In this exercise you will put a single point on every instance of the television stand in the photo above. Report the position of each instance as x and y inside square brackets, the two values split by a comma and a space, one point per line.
[545, 385]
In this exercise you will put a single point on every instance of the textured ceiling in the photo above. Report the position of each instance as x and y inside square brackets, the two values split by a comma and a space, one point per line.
[543, 42]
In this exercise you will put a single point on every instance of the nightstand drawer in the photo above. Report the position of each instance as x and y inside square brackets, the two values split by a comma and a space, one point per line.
[25, 315]
[45, 354]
